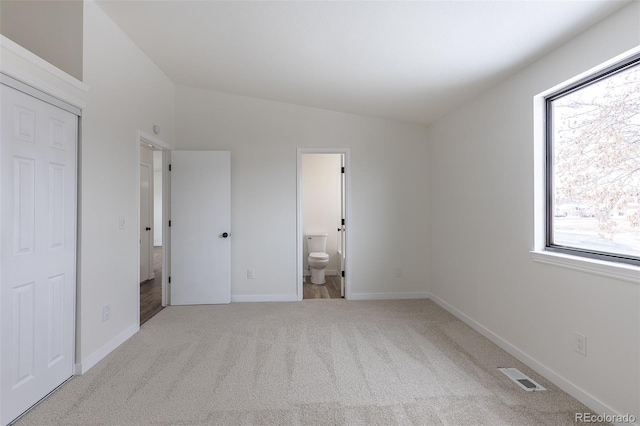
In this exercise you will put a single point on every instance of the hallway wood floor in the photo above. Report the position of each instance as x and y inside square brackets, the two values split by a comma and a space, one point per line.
[151, 290]
[330, 290]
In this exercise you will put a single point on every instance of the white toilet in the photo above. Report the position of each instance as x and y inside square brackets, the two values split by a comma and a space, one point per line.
[318, 258]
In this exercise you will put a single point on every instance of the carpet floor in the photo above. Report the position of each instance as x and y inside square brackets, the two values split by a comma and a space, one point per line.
[317, 362]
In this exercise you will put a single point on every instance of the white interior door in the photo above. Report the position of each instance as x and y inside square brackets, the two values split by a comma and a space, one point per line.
[200, 227]
[37, 279]
[145, 222]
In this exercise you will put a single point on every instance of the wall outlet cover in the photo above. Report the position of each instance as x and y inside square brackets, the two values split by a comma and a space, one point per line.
[580, 344]
[106, 313]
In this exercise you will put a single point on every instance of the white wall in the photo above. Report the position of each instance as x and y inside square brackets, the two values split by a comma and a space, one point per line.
[481, 198]
[321, 203]
[389, 204]
[32, 25]
[157, 198]
[128, 92]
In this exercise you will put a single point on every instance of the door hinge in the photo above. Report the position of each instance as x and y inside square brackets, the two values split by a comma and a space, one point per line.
[169, 167]
[342, 222]
[342, 274]
[169, 224]
[169, 280]
[343, 170]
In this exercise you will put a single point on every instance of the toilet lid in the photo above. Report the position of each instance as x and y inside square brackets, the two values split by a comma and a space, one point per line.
[320, 256]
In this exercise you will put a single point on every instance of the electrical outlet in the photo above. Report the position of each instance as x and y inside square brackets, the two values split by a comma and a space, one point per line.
[251, 274]
[106, 313]
[580, 344]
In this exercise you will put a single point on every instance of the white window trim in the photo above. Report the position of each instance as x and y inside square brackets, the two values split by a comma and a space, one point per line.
[620, 271]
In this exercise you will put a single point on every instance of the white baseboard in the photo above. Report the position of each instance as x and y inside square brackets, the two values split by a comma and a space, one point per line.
[389, 296]
[575, 391]
[264, 298]
[98, 355]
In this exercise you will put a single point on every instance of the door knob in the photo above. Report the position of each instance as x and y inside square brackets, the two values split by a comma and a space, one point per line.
[225, 235]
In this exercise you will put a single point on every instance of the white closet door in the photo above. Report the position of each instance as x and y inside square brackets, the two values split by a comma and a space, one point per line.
[38, 247]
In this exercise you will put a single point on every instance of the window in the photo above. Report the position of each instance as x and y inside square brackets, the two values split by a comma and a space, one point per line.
[592, 194]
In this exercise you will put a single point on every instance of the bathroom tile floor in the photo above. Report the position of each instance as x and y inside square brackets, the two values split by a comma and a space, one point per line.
[329, 290]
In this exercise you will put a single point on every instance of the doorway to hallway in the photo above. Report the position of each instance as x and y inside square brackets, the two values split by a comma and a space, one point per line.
[153, 156]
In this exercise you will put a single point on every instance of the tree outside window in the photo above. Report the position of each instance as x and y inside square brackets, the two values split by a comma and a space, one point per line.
[594, 166]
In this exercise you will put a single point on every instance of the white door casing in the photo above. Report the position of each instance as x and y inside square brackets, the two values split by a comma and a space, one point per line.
[346, 208]
[200, 227]
[146, 256]
[157, 144]
[37, 250]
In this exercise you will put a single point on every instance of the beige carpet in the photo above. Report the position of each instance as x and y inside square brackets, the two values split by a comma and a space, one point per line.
[317, 362]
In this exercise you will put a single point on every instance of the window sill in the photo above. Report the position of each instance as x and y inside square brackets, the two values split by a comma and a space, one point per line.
[617, 271]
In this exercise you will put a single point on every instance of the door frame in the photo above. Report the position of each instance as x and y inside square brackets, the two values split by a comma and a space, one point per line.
[145, 138]
[299, 231]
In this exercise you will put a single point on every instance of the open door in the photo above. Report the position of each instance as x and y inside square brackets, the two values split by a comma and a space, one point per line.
[146, 210]
[343, 233]
[200, 227]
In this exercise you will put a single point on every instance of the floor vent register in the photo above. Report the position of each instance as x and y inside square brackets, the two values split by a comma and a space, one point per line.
[522, 380]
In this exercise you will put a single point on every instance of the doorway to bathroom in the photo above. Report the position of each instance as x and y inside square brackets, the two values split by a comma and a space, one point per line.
[323, 232]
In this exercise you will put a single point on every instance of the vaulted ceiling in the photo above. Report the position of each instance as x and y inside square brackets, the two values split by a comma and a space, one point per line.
[405, 61]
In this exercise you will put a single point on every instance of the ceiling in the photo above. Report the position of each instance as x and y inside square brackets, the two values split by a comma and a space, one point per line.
[406, 61]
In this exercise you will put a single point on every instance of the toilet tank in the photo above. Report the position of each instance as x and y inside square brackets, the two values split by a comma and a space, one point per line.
[317, 243]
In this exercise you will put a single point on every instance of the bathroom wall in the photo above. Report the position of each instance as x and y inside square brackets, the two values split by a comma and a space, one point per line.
[321, 203]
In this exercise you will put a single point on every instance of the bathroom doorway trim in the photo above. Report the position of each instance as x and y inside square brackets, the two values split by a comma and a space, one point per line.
[299, 232]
